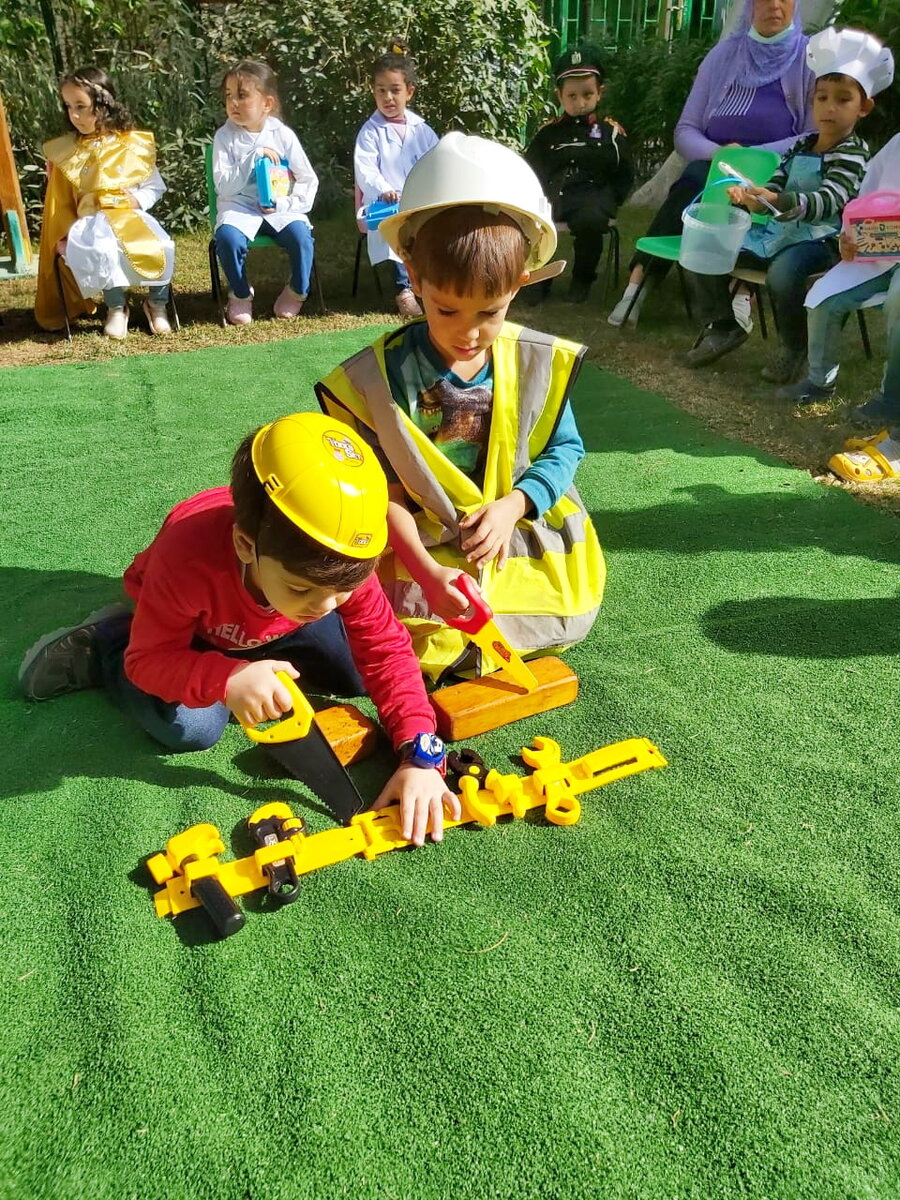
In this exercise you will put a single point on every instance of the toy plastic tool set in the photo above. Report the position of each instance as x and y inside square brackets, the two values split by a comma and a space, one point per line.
[273, 181]
[193, 876]
[874, 221]
[376, 212]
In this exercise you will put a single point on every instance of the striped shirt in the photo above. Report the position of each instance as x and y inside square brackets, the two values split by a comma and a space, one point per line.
[843, 168]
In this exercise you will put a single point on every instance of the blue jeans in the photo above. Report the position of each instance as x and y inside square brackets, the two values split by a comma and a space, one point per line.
[787, 279]
[826, 322]
[116, 297]
[296, 239]
[319, 651]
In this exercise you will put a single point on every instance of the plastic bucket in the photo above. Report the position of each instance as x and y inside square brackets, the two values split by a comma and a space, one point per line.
[376, 212]
[712, 237]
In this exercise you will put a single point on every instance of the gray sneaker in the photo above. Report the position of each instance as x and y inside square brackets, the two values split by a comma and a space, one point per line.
[66, 660]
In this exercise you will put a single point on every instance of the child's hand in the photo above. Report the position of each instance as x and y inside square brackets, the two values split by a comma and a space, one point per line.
[750, 198]
[423, 797]
[847, 243]
[491, 527]
[255, 694]
[735, 194]
[272, 155]
[442, 594]
[389, 197]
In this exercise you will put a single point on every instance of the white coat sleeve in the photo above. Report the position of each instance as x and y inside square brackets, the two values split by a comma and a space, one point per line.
[230, 174]
[366, 165]
[306, 181]
[149, 192]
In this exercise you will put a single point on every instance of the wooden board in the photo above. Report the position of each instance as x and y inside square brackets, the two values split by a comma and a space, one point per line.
[352, 735]
[478, 705]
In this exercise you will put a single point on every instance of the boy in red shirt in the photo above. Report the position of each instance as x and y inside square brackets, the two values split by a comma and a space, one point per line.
[275, 573]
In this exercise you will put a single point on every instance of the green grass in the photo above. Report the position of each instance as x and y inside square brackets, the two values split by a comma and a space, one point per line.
[692, 994]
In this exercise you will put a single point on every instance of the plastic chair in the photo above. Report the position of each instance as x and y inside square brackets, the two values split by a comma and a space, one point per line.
[361, 242]
[58, 260]
[757, 164]
[262, 239]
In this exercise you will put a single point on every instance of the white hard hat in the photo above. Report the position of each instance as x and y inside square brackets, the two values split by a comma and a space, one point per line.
[462, 169]
[851, 52]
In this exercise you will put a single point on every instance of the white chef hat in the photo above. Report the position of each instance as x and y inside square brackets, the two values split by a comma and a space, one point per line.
[851, 52]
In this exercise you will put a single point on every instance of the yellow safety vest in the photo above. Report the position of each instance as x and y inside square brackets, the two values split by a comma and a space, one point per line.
[548, 594]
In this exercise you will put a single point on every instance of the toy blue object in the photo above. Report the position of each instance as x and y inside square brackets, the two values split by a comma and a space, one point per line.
[273, 181]
[376, 212]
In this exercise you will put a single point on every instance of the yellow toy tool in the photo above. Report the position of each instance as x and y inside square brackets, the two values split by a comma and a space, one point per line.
[484, 632]
[286, 852]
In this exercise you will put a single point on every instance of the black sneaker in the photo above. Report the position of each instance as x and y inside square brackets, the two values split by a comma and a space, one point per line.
[66, 660]
[785, 367]
[713, 344]
[579, 290]
[876, 412]
[805, 393]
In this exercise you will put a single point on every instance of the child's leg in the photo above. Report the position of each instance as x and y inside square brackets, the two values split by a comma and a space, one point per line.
[115, 297]
[890, 382]
[297, 240]
[174, 726]
[788, 282]
[400, 275]
[824, 325]
[231, 247]
[587, 212]
[721, 333]
[116, 324]
[321, 654]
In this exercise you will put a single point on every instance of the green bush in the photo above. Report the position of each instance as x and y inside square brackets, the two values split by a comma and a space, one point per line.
[482, 66]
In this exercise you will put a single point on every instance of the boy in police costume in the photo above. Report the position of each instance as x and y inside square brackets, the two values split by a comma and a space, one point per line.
[583, 161]
[471, 416]
[275, 573]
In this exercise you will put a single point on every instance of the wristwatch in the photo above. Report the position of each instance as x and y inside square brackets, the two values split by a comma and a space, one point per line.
[425, 750]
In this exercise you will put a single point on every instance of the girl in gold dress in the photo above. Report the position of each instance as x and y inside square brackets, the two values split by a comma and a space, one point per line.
[102, 179]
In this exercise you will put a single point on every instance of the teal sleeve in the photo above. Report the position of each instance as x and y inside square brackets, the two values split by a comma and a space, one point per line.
[553, 472]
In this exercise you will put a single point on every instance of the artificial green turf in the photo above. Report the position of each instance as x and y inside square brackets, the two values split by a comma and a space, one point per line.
[692, 993]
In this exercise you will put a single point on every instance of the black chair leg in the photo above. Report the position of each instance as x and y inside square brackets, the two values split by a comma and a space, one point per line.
[864, 332]
[356, 264]
[685, 292]
[215, 284]
[173, 310]
[759, 293]
[57, 270]
[317, 284]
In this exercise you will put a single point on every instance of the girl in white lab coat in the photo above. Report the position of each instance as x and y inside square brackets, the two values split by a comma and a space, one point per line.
[387, 146]
[253, 131]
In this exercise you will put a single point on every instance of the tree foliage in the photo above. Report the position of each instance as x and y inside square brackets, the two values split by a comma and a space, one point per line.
[482, 67]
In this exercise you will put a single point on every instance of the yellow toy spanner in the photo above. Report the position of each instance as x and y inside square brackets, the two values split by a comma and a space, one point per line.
[192, 875]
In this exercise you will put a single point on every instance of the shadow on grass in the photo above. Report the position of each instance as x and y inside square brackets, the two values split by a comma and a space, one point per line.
[797, 627]
[710, 519]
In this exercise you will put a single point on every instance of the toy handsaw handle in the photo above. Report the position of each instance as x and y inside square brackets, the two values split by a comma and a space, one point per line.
[292, 727]
[481, 612]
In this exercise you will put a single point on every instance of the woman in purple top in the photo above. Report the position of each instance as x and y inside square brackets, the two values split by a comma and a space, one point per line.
[752, 89]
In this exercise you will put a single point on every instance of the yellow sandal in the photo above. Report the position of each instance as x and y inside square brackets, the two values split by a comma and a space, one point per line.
[877, 469]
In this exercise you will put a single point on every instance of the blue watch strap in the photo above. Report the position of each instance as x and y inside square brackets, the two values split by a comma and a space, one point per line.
[426, 750]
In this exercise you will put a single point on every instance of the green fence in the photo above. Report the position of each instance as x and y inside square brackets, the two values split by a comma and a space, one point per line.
[615, 24]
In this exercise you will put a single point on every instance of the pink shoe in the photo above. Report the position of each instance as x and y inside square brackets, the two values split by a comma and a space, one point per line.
[407, 304]
[239, 312]
[289, 303]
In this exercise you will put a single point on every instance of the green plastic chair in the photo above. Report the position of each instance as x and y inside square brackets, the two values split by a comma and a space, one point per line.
[757, 164]
[261, 240]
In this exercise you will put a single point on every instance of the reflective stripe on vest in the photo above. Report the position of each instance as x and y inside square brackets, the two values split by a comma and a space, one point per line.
[548, 593]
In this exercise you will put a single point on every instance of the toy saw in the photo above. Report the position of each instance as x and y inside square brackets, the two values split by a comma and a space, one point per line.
[192, 875]
[304, 751]
[484, 632]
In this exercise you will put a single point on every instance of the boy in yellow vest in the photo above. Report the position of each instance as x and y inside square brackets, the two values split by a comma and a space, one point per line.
[471, 416]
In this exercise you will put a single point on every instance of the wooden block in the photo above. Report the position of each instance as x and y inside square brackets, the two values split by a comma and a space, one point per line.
[352, 735]
[477, 705]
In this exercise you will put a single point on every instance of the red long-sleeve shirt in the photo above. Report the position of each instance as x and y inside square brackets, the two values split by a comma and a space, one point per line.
[187, 587]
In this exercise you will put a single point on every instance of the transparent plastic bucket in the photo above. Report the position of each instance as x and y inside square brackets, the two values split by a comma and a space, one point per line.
[712, 237]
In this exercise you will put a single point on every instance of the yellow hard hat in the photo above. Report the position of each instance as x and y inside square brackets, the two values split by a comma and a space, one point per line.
[326, 481]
